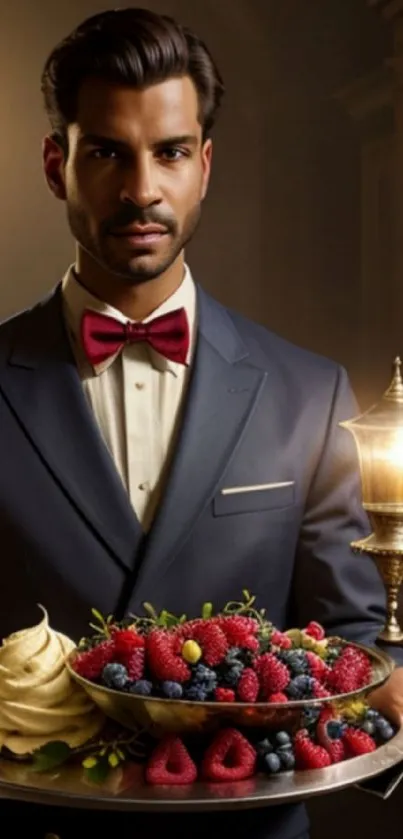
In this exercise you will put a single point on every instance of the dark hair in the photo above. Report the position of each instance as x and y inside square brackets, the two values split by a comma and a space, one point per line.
[130, 46]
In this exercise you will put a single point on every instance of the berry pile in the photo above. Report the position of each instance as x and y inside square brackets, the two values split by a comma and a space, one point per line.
[228, 657]
[232, 755]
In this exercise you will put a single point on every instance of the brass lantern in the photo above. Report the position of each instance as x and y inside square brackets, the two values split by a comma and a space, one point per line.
[378, 434]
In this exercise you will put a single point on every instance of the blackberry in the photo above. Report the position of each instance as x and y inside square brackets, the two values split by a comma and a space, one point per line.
[295, 660]
[115, 676]
[196, 693]
[233, 675]
[142, 687]
[300, 687]
[239, 655]
[173, 690]
[205, 677]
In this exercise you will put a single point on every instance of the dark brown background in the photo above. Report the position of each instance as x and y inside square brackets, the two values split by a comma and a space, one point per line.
[299, 228]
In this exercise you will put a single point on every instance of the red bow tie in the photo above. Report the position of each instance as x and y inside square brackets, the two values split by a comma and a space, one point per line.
[103, 336]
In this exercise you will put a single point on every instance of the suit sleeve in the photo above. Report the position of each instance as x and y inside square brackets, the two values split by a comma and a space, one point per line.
[333, 584]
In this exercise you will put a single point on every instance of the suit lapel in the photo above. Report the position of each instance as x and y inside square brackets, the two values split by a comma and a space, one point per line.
[41, 384]
[222, 394]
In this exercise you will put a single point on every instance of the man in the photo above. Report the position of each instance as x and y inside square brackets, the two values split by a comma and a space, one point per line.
[155, 445]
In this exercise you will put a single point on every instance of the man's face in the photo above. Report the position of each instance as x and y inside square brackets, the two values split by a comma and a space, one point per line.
[136, 174]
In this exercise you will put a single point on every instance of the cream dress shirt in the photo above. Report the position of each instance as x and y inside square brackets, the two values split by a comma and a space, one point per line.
[136, 396]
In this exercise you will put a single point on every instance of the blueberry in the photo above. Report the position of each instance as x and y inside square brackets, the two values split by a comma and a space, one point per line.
[233, 675]
[204, 676]
[335, 729]
[233, 655]
[287, 760]
[300, 687]
[173, 690]
[264, 747]
[142, 687]
[384, 729]
[369, 727]
[282, 738]
[272, 762]
[371, 714]
[115, 676]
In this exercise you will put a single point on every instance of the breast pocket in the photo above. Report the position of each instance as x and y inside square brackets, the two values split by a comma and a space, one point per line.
[253, 499]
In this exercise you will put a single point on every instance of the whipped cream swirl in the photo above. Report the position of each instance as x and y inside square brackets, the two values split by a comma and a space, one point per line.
[39, 702]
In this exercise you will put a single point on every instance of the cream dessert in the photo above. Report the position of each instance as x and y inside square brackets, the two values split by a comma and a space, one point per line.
[39, 702]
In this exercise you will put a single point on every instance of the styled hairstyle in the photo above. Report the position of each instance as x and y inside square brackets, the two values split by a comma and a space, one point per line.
[133, 47]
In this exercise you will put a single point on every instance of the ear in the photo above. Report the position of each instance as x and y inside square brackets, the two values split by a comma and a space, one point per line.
[53, 159]
[207, 154]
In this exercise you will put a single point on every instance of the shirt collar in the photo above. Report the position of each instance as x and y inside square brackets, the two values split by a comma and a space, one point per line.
[76, 298]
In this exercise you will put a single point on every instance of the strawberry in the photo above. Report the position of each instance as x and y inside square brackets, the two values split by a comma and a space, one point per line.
[229, 757]
[170, 763]
[210, 637]
[317, 666]
[273, 674]
[248, 686]
[357, 742]
[164, 659]
[90, 663]
[240, 631]
[127, 640]
[224, 695]
[308, 755]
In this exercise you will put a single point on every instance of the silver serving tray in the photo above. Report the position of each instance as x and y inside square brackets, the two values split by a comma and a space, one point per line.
[126, 790]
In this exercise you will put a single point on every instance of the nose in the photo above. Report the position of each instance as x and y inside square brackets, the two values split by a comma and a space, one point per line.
[140, 185]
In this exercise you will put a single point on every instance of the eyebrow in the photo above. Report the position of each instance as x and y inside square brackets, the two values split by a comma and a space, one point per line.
[101, 140]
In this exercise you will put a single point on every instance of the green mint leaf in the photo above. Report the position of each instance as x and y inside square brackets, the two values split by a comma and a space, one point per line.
[246, 594]
[51, 755]
[98, 616]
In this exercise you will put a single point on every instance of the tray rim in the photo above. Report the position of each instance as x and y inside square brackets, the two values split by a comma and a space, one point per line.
[285, 788]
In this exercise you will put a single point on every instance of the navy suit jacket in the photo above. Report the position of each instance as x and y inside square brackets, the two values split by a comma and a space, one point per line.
[259, 411]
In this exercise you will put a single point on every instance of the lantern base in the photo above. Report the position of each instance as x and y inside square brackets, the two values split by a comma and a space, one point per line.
[390, 566]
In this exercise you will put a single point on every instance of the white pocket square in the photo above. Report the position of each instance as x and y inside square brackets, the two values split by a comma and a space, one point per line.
[256, 487]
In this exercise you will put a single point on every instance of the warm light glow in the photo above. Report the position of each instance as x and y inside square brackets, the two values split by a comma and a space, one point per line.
[393, 454]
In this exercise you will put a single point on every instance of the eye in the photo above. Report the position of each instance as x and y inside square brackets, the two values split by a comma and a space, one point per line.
[173, 153]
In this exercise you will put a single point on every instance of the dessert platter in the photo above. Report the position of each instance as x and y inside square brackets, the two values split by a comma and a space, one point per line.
[159, 712]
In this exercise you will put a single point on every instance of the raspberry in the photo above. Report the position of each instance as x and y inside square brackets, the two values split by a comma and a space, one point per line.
[277, 697]
[135, 664]
[337, 751]
[317, 666]
[224, 695]
[307, 754]
[210, 638]
[280, 639]
[164, 657]
[273, 675]
[240, 631]
[90, 664]
[248, 686]
[351, 671]
[315, 630]
[170, 763]
[357, 742]
[318, 691]
[229, 757]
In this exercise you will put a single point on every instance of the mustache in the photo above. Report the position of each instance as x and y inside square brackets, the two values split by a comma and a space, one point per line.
[131, 214]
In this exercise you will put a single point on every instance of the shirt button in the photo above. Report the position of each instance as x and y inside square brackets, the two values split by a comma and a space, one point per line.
[144, 486]
[139, 385]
